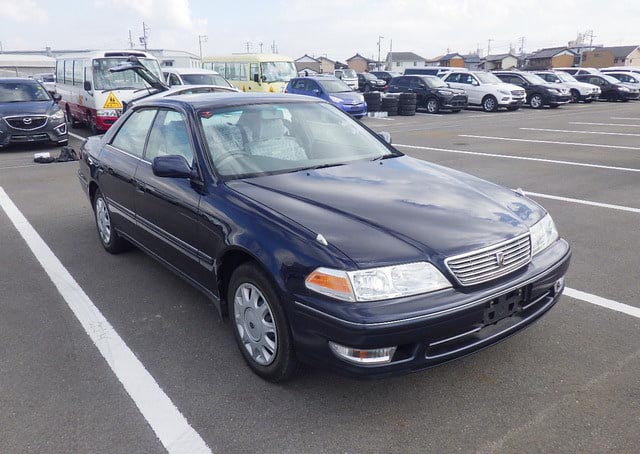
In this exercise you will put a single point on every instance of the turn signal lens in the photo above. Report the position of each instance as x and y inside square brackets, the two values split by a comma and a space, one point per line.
[332, 283]
[361, 356]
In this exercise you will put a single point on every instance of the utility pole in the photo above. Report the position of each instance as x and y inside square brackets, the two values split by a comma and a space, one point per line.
[489, 46]
[588, 33]
[522, 40]
[274, 48]
[144, 39]
[260, 44]
[130, 40]
[201, 39]
[390, 64]
[380, 38]
[248, 44]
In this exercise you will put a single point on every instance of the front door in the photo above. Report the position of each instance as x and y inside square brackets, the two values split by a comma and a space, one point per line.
[167, 208]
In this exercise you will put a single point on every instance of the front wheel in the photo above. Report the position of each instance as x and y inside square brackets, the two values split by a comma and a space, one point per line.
[433, 106]
[575, 95]
[490, 104]
[536, 102]
[260, 325]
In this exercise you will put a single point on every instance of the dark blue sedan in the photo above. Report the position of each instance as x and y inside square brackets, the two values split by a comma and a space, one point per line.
[332, 90]
[320, 241]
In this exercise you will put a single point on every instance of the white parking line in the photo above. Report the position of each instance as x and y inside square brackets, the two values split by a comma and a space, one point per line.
[603, 302]
[583, 202]
[603, 124]
[625, 118]
[576, 144]
[523, 158]
[76, 136]
[573, 131]
[170, 426]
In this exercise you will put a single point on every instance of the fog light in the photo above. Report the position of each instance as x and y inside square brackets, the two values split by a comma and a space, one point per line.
[557, 287]
[62, 129]
[360, 356]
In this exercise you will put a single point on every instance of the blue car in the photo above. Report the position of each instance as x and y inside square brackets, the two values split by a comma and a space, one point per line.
[330, 89]
[320, 241]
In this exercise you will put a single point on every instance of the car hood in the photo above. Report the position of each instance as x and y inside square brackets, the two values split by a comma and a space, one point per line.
[506, 86]
[350, 96]
[26, 108]
[395, 210]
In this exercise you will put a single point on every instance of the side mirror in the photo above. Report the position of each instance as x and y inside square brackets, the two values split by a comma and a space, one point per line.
[87, 85]
[56, 97]
[385, 136]
[256, 78]
[317, 92]
[171, 166]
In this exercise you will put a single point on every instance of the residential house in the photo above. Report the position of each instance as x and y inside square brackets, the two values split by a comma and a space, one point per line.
[399, 61]
[471, 61]
[499, 61]
[320, 65]
[552, 57]
[360, 64]
[612, 56]
[452, 59]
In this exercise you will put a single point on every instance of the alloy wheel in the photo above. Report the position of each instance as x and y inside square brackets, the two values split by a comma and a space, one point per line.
[104, 220]
[536, 101]
[432, 106]
[255, 324]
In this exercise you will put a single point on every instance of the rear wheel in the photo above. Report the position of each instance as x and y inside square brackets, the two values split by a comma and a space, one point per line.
[93, 127]
[72, 121]
[260, 325]
[490, 104]
[575, 95]
[111, 241]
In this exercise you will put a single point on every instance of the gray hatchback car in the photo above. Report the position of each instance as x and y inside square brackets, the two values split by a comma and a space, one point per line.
[29, 113]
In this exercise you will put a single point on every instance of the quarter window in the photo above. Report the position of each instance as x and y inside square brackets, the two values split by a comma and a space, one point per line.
[133, 133]
[78, 72]
[68, 72]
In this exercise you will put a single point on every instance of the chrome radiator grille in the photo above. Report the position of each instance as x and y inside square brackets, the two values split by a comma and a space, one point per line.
[491, 262]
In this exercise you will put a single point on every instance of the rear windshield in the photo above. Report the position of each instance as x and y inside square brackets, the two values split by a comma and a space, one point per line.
[22, 92]
[205, 79]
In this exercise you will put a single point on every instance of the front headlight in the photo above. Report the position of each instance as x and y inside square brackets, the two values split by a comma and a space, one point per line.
[377, 283]
[543, 233]
[623, 89]
[554, 91]
[57, 115]
[334, 99]
[107, 113]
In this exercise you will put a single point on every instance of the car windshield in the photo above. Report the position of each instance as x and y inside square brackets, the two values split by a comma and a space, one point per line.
[278, 71]
[610, 79]
[369, 76]
[22, 92]
[487, 78]
[349, 73]
[264, 139]
[123, 80]
[534, 79]
[334, 86]
[435, 82]
[566, 77]
[205, 79]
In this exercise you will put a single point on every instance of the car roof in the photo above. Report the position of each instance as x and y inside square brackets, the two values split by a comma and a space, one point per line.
[18, 79]
[222, 100]
[171, 69]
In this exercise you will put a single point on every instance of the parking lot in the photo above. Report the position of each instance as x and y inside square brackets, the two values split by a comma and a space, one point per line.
[567, 384]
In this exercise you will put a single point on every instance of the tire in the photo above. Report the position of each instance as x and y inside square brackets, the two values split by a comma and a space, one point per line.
[588, 101]
[260, 325]
[513, 108]
[92, 126]
[575, 95]
[554, 106]
[391, 111]
[536, 101]
[71, 121]
[489, 104]
[111, 241]
[432, 105]
[407, 113]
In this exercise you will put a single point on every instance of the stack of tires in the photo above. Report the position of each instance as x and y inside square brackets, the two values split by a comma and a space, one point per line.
[390, 104]
[373, 100]
[407, 104]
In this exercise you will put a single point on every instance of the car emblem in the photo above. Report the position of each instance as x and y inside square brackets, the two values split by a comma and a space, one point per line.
[500, 258]
[26, 120]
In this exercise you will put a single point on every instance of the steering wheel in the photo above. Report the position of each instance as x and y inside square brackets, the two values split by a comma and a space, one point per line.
[229, 154]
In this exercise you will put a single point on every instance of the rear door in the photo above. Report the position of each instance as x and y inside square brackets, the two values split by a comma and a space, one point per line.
[167, 208]
[119, 160]
[419, 87]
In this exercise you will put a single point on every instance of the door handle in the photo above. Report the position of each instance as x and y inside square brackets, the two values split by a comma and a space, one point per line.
[139, 187]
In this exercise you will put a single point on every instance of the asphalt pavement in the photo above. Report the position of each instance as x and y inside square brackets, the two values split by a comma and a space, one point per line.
[570, 383]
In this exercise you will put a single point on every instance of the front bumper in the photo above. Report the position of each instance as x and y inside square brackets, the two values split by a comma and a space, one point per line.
[629, 95]
[454, 102]
[511, 101]
[558, 99]
[53, 132]
[354, 109]
[104, 123]
[427, 330]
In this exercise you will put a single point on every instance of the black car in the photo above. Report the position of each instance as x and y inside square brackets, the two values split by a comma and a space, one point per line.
[29, 113]
[611, 89]
[369, 82]
[540, 93]
[432, 93]
[320, 241]
[385, 75]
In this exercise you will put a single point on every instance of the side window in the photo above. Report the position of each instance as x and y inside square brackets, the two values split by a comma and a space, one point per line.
[133, 133]
[60, 71]
[78, 73]
[68, 72]
[416, 82]
[453, 77]
[169, 136]
[299, 84]
[236, 71]
[402, 82]
[312, 85]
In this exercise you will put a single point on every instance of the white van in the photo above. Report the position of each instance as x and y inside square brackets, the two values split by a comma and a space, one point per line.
[348, 76]
[94, 95]
[193, 76]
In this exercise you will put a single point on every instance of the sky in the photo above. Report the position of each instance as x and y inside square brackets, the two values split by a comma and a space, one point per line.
[336, 28]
